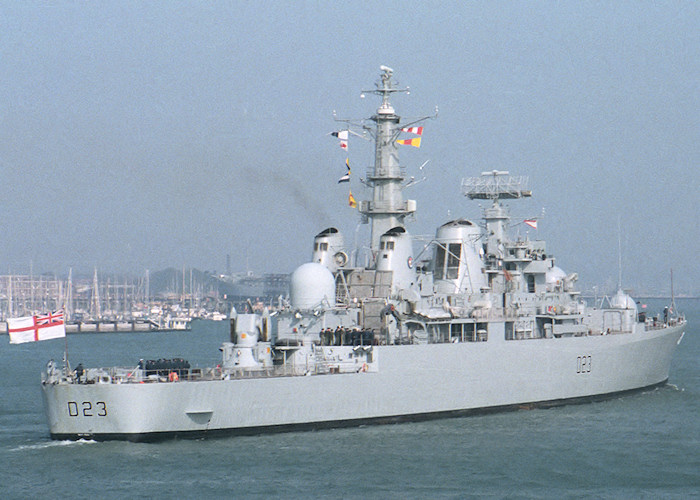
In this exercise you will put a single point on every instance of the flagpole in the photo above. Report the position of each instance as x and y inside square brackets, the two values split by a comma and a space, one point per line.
[65, 355]
[66, 363]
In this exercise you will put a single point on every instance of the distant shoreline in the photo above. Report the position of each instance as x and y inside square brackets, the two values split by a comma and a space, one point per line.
[655, 297]
[682, 297]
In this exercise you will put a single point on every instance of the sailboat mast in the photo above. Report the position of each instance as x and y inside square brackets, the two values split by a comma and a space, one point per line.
[9, 293]
[69, 295]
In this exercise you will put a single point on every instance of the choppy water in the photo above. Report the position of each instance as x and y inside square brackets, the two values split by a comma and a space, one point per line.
[642, 446]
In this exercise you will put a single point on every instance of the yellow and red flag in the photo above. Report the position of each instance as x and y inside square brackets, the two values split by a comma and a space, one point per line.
[415, 142]
[351, 200]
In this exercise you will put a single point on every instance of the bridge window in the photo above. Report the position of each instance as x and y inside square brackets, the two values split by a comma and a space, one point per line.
[439, 262]
[482, 332]
[450, 269]
[453, 256]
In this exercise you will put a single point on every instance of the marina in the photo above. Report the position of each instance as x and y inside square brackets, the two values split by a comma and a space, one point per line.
[170, 301]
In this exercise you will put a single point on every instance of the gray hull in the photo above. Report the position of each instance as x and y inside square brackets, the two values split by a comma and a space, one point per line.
[410, 382]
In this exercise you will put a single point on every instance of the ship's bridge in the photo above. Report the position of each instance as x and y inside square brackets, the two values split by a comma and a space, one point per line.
[457, 261]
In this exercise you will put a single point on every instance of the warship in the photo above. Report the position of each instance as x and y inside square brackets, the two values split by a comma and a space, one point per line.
[470, 320]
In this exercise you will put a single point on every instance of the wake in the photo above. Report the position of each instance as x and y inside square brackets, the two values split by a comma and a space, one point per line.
[51, 444]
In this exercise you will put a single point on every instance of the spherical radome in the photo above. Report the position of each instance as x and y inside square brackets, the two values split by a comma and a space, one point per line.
[310, 285]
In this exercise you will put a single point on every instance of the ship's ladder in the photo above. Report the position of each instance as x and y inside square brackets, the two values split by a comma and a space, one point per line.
[320, 362]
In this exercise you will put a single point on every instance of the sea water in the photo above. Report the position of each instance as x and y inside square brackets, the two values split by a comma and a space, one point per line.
[645, 445]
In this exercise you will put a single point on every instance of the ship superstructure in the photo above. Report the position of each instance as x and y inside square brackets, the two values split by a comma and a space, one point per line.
[473, 321]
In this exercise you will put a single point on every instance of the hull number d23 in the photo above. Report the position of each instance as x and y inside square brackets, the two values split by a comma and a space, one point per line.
[583, 364]
[87, 409]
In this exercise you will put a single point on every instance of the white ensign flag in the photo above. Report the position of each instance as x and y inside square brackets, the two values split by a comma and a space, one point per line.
[35, 328]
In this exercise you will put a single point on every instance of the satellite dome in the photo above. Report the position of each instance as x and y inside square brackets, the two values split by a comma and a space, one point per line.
[555, 275]
[622, 301]
[310, 285]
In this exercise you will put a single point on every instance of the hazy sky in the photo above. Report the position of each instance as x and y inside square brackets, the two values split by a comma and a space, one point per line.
[141, 135]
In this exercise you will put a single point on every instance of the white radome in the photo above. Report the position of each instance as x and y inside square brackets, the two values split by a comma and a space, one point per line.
[554, 276]
[623, 301]
[310, 285]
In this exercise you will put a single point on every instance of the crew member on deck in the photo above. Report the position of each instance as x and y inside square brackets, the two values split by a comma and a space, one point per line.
[79, 370]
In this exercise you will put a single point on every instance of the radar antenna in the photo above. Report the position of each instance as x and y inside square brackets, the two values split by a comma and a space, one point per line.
[495, 185]
[384, 89]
